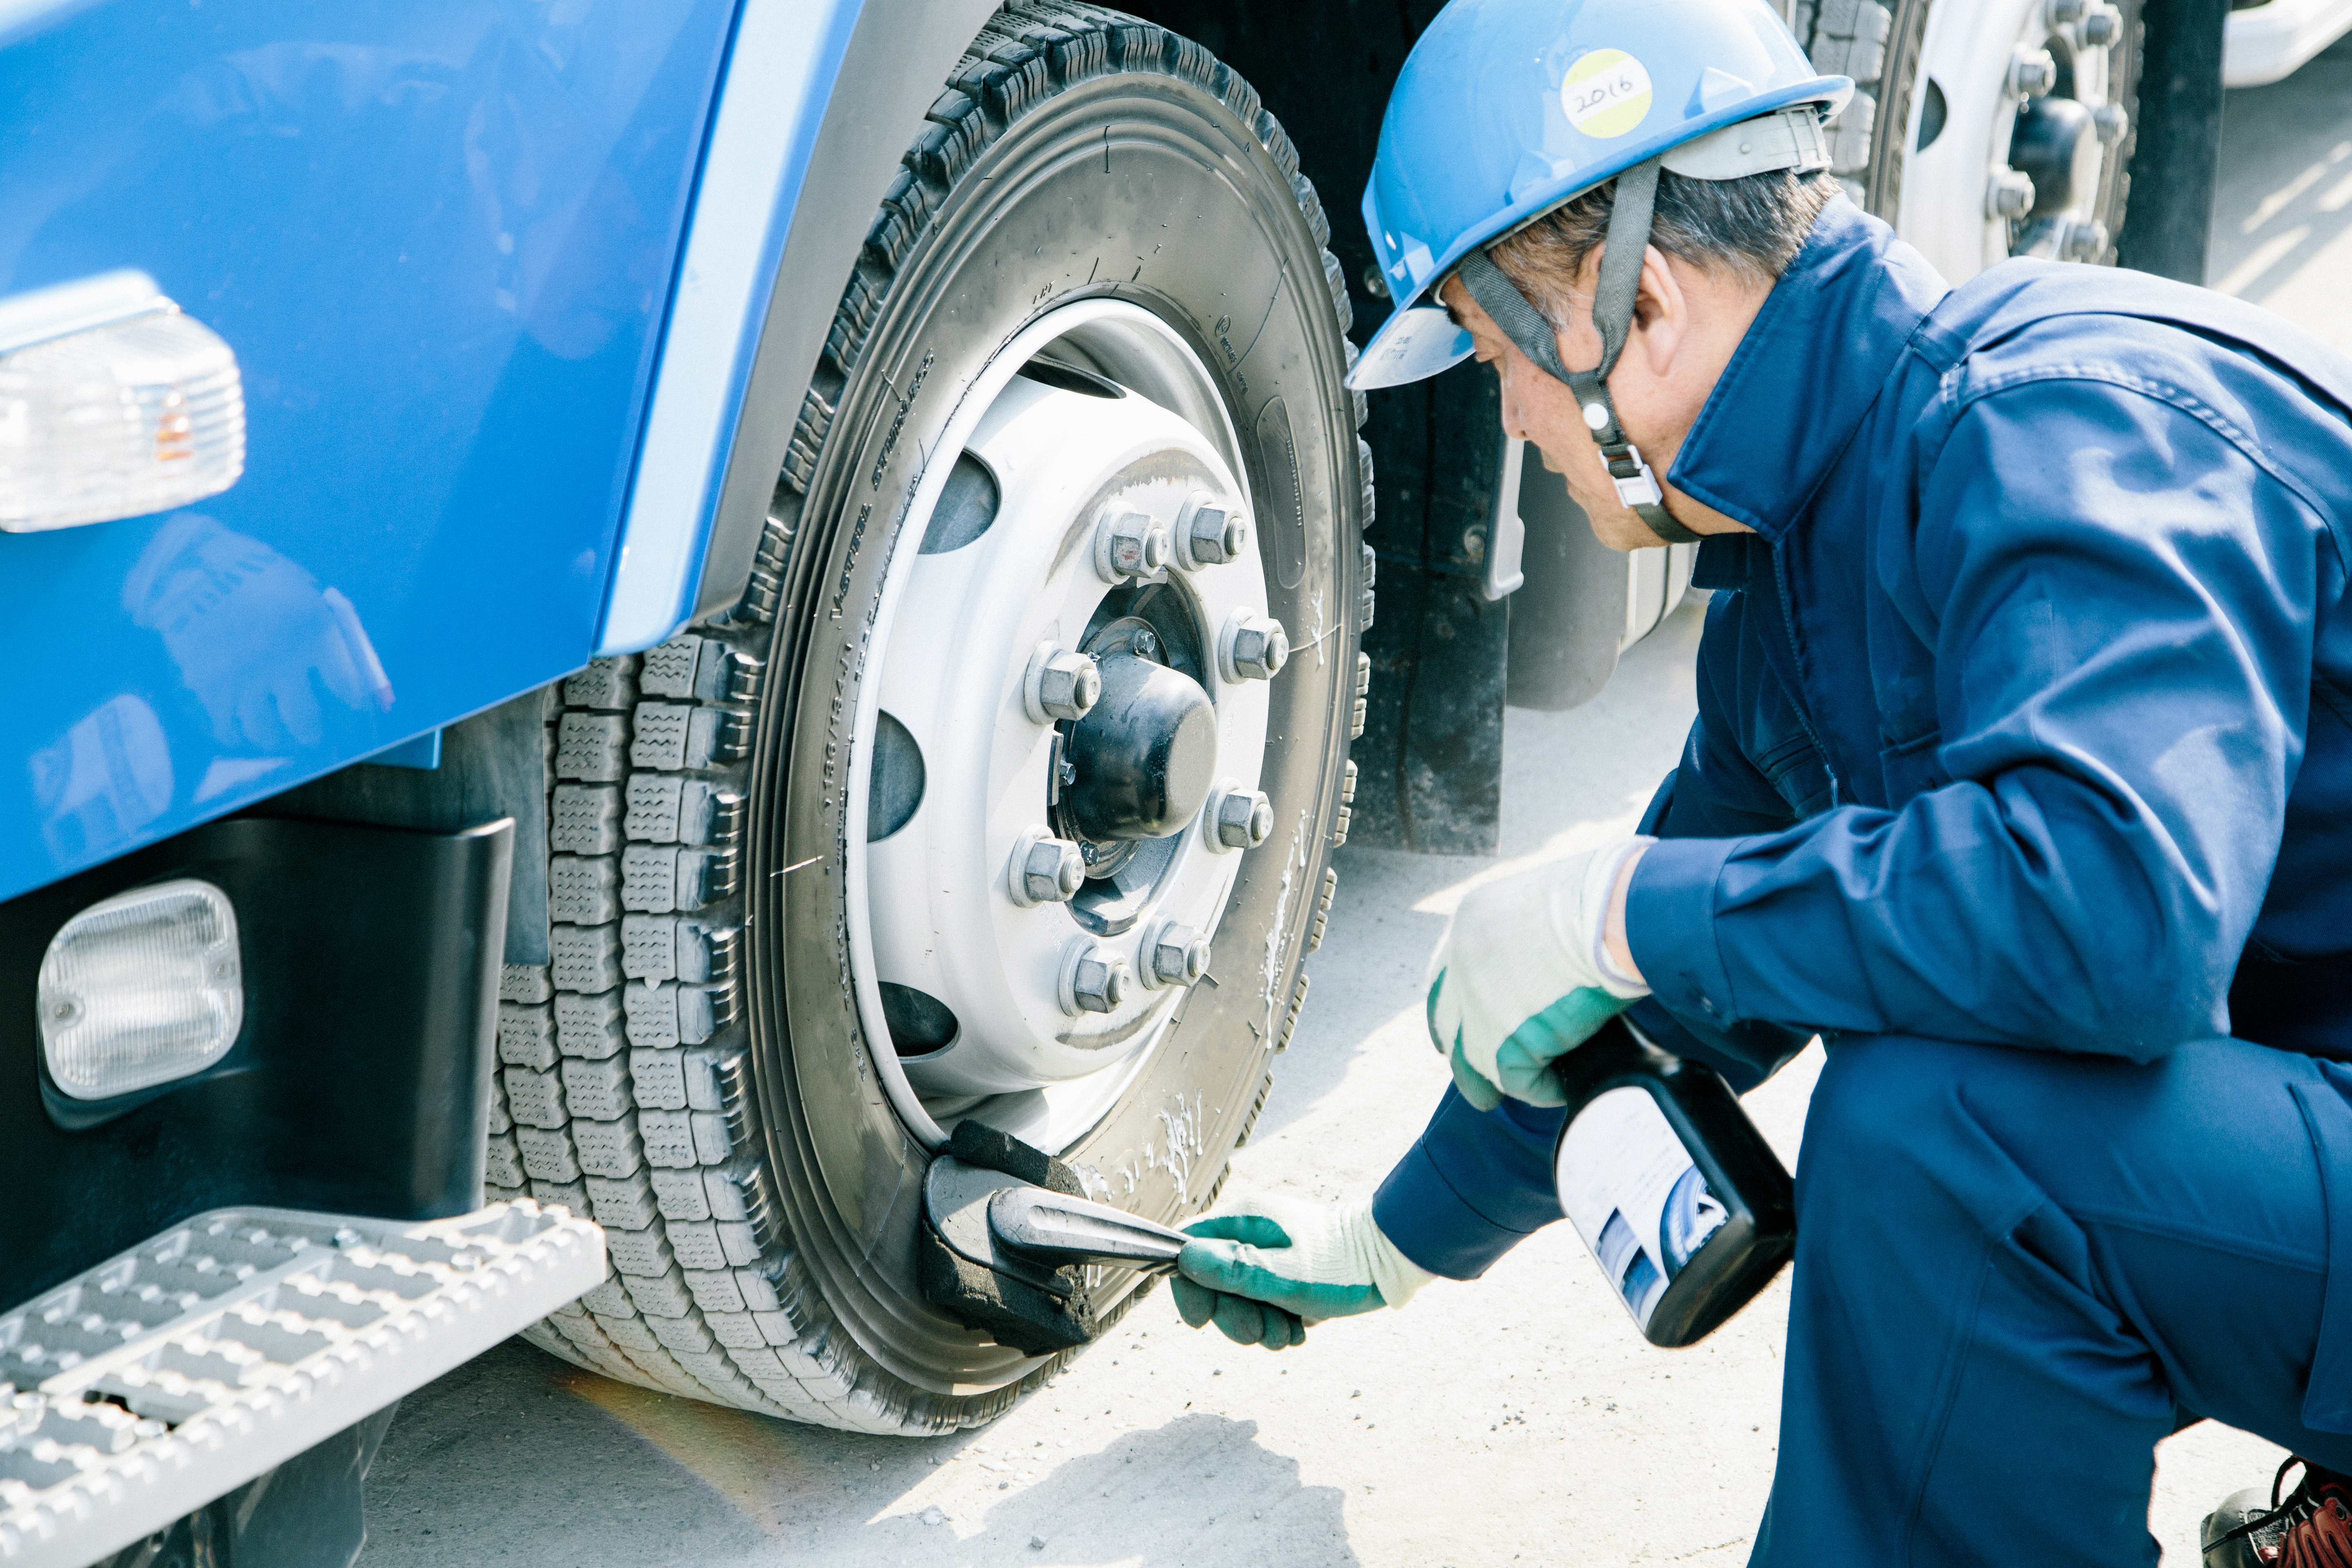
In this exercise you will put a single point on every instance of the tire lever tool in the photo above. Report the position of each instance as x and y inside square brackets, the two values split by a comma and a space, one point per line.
[1005, 1224]
[1006, 1227]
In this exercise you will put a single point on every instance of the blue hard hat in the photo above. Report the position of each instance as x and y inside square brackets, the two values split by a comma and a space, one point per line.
[1505, 109]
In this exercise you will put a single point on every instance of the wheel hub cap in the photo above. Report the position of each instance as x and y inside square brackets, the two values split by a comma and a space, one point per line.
[1146, 753]
[2056, 145]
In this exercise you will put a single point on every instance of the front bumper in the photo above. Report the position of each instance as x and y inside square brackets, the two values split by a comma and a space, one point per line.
[145, 1388]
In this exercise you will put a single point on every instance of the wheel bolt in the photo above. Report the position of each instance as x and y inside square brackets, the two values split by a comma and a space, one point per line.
[2011, 195]
[1131, 545]
[2062, 11]
[1213, 534]
[1239, 818]
[1045, 869]
[2101, 28]
[2112, 123]
[1093, 979]
[1255, 647]
[2031, 72]
[2086, 241]
[1060, 684]
[1176, 956]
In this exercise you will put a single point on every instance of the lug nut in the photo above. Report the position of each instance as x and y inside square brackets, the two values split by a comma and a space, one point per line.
[1253, 647]
[1059, 684]
[2086, 241]
[1212, 534]
[1129, 545]
[2101, 28]
[2060, 12]
[2031, 72]
[1176, 955]
[1045, 869]
[2111, 121]
[1093, 979]
[2011, 195]
[1238, 818]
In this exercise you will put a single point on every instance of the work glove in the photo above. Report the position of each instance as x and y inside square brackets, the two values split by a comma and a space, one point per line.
[1520, 978]
[1268, 1267]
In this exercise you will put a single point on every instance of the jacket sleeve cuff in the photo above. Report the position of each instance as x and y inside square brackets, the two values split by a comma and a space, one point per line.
[1670, 926]
[1473, 1185]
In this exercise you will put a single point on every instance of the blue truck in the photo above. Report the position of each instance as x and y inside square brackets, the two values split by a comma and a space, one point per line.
[627, 620]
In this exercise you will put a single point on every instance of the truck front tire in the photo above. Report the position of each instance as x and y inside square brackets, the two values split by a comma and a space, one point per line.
[765, 1009]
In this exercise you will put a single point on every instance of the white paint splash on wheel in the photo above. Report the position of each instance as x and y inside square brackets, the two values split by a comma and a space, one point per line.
[1293, 865]
[1184, 1143]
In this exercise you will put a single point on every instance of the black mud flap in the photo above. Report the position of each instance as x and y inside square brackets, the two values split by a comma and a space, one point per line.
[308, 1512]
[1012, 1300]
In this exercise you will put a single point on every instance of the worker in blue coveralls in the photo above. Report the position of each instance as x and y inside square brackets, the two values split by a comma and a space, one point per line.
[2023, 776]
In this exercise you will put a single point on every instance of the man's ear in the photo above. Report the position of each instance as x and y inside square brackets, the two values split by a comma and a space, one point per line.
[1662, 314]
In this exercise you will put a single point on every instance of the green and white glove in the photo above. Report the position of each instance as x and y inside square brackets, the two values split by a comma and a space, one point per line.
[1265, 1269]
[1521, 978]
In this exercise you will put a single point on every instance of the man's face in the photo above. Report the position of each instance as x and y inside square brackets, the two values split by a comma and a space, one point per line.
[1688, 322]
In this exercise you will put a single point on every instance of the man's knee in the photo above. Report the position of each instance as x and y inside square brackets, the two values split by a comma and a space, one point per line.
[1873, 1098]
[1892, 1145]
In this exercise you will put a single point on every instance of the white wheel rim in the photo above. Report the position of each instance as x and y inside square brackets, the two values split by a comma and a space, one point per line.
[930, 906]
[1966, 53]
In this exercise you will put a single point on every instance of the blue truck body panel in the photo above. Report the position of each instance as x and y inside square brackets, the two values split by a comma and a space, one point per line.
[443, 239]
[785, 62]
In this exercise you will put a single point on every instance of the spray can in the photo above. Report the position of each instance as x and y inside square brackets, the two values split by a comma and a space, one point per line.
[1679, 1199]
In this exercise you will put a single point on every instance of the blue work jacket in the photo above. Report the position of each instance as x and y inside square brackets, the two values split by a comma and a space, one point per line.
[2025, 712]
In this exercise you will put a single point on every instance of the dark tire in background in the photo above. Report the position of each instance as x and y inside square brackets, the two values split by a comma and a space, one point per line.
[1431, 755]
[704, 1068]
[1987, 129]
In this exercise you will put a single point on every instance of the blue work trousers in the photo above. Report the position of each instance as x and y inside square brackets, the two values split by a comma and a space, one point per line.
[2015, 1267]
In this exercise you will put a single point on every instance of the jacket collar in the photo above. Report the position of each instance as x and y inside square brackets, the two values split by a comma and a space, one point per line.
[1812, 362]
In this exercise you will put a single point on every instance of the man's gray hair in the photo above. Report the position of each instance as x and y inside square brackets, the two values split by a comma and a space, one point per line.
[1752, 226]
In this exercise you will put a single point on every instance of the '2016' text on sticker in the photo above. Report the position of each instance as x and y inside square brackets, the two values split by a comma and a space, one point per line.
[1606, 93]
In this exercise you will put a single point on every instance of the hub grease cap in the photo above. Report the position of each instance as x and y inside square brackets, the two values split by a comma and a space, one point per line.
[1146, 753]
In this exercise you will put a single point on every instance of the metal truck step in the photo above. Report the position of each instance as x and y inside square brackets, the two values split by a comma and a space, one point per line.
[158, 1380]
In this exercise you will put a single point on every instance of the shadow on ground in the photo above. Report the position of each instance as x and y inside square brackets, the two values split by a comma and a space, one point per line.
[584, 1470]
[1141, 1500]
[2282, 218]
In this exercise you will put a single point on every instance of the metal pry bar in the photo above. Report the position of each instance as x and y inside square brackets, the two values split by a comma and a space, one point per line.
[1056, 1229]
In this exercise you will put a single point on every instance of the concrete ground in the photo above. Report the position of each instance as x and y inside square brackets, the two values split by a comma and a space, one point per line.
[2283, 225]
[1518, 1419]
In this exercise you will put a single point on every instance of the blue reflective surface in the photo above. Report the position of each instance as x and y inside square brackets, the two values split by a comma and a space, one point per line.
[441, 238]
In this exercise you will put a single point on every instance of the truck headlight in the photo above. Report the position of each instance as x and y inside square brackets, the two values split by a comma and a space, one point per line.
[113, 404]
[142, 988]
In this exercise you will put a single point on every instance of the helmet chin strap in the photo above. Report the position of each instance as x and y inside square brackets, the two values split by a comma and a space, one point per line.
[1612, 313]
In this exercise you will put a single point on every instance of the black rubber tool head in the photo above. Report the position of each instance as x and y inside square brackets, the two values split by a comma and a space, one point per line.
[962, 1270]
[977, 1143]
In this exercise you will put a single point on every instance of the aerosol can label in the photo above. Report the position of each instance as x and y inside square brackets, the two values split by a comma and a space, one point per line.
[1633, 1192]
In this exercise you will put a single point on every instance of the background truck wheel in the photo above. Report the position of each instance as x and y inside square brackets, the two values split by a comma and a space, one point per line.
[805, 874]
[1989, 130]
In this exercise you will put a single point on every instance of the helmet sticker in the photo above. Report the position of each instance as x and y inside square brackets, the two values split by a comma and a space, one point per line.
[1606, 93]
